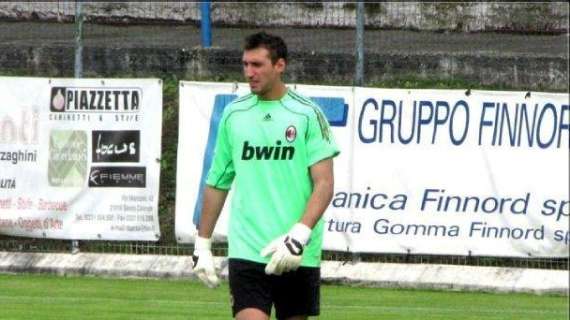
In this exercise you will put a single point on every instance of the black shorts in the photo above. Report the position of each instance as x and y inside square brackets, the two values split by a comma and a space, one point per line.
[292, 293]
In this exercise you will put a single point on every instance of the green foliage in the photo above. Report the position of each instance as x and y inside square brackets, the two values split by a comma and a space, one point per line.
[54, 297]
[168, 159]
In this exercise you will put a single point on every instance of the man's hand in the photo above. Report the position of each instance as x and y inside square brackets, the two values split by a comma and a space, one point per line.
[204, 266]
[287, 251]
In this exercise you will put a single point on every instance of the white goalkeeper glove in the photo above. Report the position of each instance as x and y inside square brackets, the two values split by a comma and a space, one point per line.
[204, 266]
[287, 250]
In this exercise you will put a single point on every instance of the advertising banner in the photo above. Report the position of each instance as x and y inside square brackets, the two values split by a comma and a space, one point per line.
[420, 171]
[79, 158]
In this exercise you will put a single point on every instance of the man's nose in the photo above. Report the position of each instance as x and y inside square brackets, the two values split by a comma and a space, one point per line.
[248, 71]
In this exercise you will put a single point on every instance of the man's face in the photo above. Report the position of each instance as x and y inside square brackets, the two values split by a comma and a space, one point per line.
[261, 74]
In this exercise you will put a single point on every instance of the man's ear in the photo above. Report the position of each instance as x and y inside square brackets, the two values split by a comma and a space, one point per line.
[280, 64]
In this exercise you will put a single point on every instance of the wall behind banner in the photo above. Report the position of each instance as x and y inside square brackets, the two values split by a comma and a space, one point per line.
[169, 49]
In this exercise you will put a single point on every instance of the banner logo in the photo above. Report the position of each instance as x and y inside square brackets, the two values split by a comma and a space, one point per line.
[116, 146]
[126, 177]
[67, 163]
[95, 100]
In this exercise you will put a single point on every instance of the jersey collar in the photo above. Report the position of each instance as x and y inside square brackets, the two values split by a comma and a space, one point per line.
[266, 104]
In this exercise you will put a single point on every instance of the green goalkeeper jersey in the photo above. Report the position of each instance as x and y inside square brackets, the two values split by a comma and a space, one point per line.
[265, 148]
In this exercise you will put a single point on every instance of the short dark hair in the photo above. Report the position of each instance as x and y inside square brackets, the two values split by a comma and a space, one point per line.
[274, 44]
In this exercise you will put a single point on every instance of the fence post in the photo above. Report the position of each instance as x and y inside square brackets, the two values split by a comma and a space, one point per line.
[205, 24]
[78, 71]
[359, 72]
[78, 40]
[359, 76]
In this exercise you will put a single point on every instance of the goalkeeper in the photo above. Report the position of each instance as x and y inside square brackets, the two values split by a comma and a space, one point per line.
[276, 147]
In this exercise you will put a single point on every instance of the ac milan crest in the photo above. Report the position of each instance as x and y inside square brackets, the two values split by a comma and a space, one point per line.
[291, 134]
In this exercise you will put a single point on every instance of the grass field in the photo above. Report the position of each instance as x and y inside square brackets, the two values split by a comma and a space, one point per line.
[52, 297]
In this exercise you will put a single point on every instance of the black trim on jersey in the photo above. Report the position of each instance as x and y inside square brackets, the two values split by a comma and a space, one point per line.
[301, 98]
[320, 117]
[304, 101]
[222, 175]
[247, 96]
[298, 113]
[234, 111]
[324, 125]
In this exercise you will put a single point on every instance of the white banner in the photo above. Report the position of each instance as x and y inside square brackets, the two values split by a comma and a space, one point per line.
[79, 158]
[420, 171]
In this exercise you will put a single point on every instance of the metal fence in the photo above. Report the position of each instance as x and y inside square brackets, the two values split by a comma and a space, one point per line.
[500, 45]
[475, 44]
[220, 249]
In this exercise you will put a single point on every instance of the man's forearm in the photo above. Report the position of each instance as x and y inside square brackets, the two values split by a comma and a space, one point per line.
[212, 207]
[318, 203]
[323, 188]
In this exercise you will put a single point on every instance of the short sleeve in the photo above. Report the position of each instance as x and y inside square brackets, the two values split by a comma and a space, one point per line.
[320, 140]
[222, 172]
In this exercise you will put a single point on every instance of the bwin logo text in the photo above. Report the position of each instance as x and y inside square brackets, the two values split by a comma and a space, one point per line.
[267, 152]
